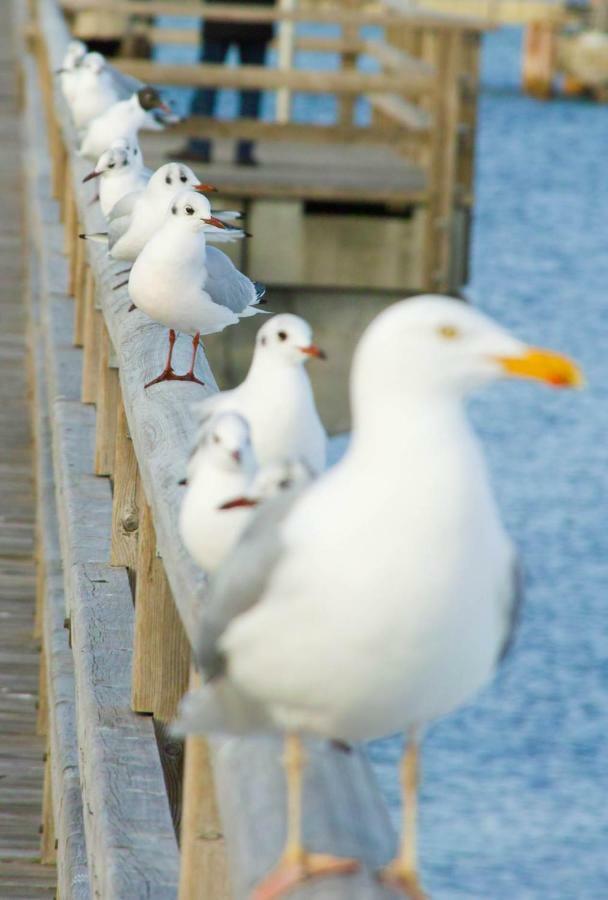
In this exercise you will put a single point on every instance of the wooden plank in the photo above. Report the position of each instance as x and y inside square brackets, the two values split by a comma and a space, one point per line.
[394, 12]
[160, 667]
[125, 499]
[399, 110]
[131, 846]
[308, 81]
[108, 392]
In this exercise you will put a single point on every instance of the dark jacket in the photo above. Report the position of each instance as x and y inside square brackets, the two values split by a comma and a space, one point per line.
[239, 32]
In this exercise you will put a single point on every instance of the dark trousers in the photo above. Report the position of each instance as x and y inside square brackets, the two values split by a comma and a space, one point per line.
[252, 53]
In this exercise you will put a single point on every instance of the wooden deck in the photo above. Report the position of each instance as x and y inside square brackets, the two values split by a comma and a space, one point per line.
[21, 749]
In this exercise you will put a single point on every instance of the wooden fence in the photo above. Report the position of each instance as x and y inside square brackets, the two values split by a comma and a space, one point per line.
[118, 597]
[422, 97]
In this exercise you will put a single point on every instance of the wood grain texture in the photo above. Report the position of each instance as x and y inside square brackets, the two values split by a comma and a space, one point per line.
[161, 653]
[131, 846]
[125, 498]
[21, 749]
[91, 327]
[108, 392]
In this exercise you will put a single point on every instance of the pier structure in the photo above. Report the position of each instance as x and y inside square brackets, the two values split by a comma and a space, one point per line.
[126, 811]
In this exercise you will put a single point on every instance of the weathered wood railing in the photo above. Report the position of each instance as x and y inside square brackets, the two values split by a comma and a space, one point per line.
[112, 565]
[422, 96]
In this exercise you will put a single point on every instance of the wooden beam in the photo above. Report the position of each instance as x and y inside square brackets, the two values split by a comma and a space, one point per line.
[161, 653]
[224, 12]
[108, 393]
[125, 508]
[308, 81]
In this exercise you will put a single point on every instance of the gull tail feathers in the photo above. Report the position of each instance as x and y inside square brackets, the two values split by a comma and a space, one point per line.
[218, 708]
[99, 237]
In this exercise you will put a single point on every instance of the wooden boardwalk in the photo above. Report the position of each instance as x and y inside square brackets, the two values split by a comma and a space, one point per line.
[21, 749]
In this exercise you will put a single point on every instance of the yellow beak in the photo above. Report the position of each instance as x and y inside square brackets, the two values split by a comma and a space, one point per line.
[544, 365]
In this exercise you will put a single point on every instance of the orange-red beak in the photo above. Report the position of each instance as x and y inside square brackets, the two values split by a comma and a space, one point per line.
[544, 365]
[315, 351]
[239, 503]
[91, 175]
[165, 108]
[217, 222]
[205, 188]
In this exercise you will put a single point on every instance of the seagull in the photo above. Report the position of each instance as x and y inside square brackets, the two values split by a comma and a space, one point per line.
[120, 173]
[70, 70]
[123, 120]
[225, 488]
[276, 396]
[136, 216]
[220, 469]
[180, 282]
[95, 90]
[387, 593]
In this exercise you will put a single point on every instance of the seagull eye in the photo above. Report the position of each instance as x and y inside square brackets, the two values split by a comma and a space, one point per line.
[448, 332]
[284, 484]
[189, 210]
[174, 210]
[168, 180]
[216, 439]
[183, 179]
[111, 165]
[282, 335]
[135, 152]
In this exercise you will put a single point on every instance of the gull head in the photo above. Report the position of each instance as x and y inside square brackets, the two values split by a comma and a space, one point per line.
[149, 98]
[434, 344]
[94, 63]
[224, 441]
[174, 177]
[131, 146]
[273, 479]
[191, 210]
[112, 161]
[287, 338]
[74, 56]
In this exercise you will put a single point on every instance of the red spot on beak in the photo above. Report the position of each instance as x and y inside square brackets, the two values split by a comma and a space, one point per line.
[217, 222]
[315, 351]
[90, 176]
[239, 503]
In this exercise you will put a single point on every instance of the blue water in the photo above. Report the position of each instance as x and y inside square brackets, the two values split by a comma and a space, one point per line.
[515, 787]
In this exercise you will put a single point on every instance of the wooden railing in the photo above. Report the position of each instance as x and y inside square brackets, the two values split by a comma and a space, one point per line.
[118, 596]
[423, 96]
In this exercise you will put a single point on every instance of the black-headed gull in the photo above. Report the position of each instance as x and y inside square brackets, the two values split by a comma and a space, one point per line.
[387, 594]
[124, 119]
[119, 174]
[276, 396]
[180, 282]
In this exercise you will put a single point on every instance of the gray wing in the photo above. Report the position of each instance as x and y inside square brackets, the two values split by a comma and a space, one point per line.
[241, 581]
[116, 229]
[125, 85]
[124, 206]
[225, 284]
[514, 597]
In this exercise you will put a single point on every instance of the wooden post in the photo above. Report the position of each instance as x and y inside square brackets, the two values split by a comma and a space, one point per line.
[42, 713]
[539, 55]
[69, 218]
[83, 288]
[48, 848]
[348, 63]
[161, 653]
[108, 394]
[203, 870]
[59, 161]
[443, 49]
[285, 54]
[125, 511]
[91, 331]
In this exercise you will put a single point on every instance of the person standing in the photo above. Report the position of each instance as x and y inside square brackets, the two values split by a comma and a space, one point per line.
[216, 39]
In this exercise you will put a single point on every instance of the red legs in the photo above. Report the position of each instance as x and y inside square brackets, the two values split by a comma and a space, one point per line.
[296, 865]
[190, 376]
[402, 873]
[168, 374]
